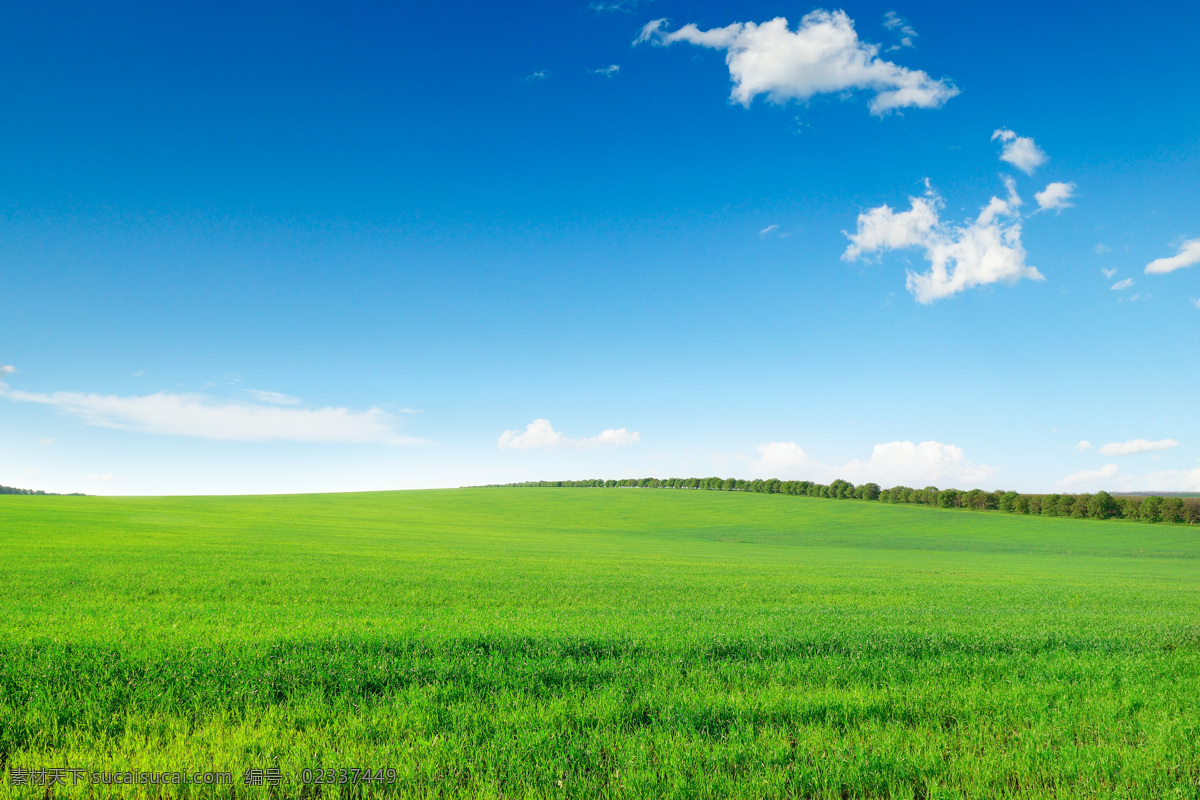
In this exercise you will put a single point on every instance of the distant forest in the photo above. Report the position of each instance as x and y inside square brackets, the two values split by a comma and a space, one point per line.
[1101, 505]
[13, 490]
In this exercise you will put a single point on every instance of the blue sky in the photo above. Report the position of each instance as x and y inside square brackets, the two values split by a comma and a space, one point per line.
[328, 247]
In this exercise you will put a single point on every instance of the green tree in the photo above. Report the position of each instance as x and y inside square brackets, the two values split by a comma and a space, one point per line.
[1102, 505]
[1172, 510]
[1151, 509]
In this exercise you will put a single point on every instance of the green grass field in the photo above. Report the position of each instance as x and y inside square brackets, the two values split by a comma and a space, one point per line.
[583, 643]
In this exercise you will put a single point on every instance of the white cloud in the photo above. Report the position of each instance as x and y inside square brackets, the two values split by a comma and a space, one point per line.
[1135, 446]
[1020, 151]
[1101, 248]
[201, 416]
[1108, 273]
[608, 72]
[46, 441]
[1122, 285]
[892, 463]
[539, 75]
[7, 369]
[540, 434]
[1088, 477]
[1055, 197]
[785, 458]
[274, 398]
[768, 229]
[1189, 254]
[1084, 444]
[894, 22]
[822, 56]
[1196, 302]
[985, 250]
[1175, 480]
[917, 464]
[96, 477]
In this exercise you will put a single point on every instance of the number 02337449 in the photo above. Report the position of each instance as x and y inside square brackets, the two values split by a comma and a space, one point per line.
[346, 775]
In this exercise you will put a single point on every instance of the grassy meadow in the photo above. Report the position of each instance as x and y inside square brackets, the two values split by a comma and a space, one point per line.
[598, 643]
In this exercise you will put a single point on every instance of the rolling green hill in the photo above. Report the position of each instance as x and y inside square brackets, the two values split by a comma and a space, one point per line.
[577, 642]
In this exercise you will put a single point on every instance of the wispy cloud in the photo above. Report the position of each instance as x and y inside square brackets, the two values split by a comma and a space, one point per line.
[1101, 248]
[538, 75]
[1020, 151]
[897, 24]
[768, 229]
[540, 435]
[614, 6]
[986, 250]
[1135, 446]
[1088, 477]
[1108, 273]
[822, 56]
[7, 369]
[197, 415]
[1122, 285]
[274, 398]
[1189, 254]
[608, 72]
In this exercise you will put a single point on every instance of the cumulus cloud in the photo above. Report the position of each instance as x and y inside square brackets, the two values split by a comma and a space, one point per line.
[608, 72]
[540, 435]
[1135, 446]
[1055, 197]
[892, 463]
[985, 250]
[1084, 444]
[1020, 151]
[274, 398]
[1174, 480]
[1108, 477]
[1122, 285]
[201, 416]
[823, 55]
[785, 458]
[927, 462]
[1088, 477]
[1189, 254]
[7, 369]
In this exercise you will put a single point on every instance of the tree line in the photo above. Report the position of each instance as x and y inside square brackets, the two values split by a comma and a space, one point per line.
[1100, 505]
[14, 490]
